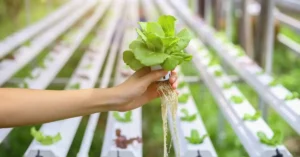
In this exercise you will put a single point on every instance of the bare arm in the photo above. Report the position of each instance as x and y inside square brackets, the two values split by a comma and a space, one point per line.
[27, 106]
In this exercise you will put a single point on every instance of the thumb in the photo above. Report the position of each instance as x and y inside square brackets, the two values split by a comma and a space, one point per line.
[154, 76]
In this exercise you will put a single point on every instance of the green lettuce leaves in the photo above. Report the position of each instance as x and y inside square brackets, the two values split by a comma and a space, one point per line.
[158, 44]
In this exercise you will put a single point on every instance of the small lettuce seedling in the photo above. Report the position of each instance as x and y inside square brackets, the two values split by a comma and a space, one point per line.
[249, 117]
[292, 96]
[227, 85]
[218, 73]
[42, 65]
[187, 116]
[27, 43]
[236, 99]
[213, 62]
[240, 51]
[195, 138]
[75, 86]
[88, 66]
[183, 98]
[44, 139]
[273, 83]
[181, 85]
[274, 141]
[125, 119]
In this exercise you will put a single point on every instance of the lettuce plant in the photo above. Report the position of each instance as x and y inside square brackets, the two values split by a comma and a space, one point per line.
[195, 137]
[125, 119]
[42, 65]
[236, 99]
[158, 44]
[218, 73]
[181, 85]
[213, 62]
[44, 139]
[274, 83]
[227, 85]
[183, 98]
[274, 141]
[187, 116]
[75, 86]
[293, 95]
[249, 117]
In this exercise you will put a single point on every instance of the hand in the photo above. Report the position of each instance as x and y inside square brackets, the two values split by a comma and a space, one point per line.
[141, 88]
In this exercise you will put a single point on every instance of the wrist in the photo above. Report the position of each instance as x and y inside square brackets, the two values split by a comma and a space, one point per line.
[105, 99]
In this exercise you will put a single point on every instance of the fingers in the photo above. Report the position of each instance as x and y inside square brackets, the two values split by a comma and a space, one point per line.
[153, 76]
[173, 79]
[141, 72]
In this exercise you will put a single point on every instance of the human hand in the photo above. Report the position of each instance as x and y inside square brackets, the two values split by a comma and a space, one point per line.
[141, 88]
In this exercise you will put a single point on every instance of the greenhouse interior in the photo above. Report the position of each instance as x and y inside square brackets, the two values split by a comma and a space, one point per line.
[222, 78]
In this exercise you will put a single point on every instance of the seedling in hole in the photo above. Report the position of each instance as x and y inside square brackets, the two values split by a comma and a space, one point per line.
[125, 119]
[249, 117]
[27, 43]
[218, 73]
[181, 85]
[227, 85]
[183, 98]
[123, 142]
[42, 65]
[273, 83]
[274, 141]
[88, 66]
[240, 51]
[293, 95]
[75, 86]
[236, 99]
[213, 62]
[187, 116]
[195, 138]
[44, 139]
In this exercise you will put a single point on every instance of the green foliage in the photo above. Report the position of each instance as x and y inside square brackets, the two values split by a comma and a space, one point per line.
[274, 83]
[249, 117]
[27, 43]
[88, 66]
[187, 116]
[227, 85]
[183, 98]
[125, 119]
[213, 62]
[195, 137]
[293, 95]
[157, 44]
[75, 86]
[236, 99]
[181, 85]
[45, 139]
[218, 73]
[274, 141]
[42, 64]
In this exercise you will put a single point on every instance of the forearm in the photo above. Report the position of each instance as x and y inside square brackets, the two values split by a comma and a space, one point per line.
[25, 106]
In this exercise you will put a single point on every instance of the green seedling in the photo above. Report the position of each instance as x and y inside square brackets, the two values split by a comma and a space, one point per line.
[88, 66]
[218, 73]
[227, 85]
[181, 85]
[292, 96]
[195, 138]
[249, 117]
[274, 141]
[44, 139]
[125, 119]
[187, 116]
[213, 62]
[240, 51]
[27, 43]
[24, 84]
[42, 65]
[75, 86]
[183, 98]
[237, 99]
[273, 83]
